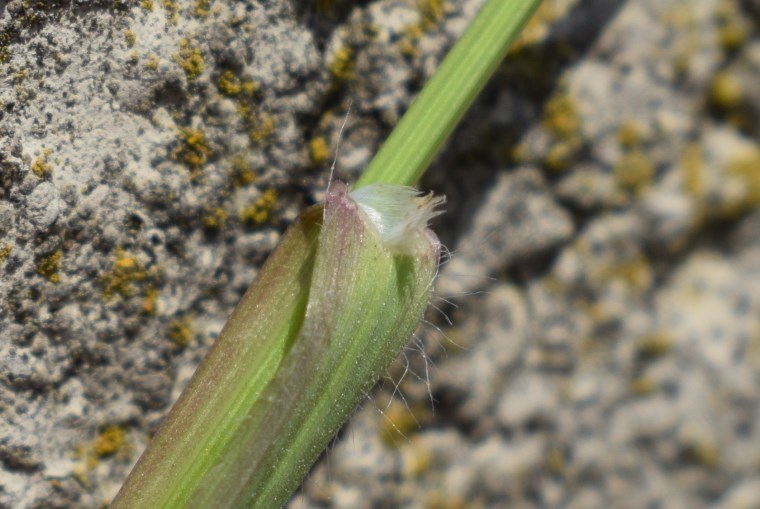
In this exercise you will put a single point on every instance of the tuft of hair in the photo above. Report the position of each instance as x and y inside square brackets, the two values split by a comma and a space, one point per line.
[400, 213]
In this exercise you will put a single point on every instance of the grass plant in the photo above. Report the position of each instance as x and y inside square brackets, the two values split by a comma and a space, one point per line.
[328, 312]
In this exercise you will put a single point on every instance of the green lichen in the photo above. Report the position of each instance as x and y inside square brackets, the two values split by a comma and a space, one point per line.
[260, 211]
[49, 266]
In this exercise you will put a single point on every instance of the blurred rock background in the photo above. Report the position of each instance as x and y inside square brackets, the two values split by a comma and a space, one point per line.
[603, 287]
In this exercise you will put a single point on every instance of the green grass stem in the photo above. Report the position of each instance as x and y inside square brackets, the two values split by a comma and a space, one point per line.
[427, 124]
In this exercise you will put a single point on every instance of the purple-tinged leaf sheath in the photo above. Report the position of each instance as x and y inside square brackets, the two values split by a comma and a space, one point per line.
[364, 301]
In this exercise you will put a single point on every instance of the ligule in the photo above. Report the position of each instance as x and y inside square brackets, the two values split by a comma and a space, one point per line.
[329, 311]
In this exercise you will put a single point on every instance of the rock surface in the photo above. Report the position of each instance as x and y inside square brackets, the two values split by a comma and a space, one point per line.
[603, 286]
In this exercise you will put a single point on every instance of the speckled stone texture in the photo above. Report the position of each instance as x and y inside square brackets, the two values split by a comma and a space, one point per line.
[603, 286]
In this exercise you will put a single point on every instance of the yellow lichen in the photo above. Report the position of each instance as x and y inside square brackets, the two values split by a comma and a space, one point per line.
[441, 500]
[20, 76]
[201, 8]
[215, 219]
[643, 386]
[126, 270]
[555, 461]
[147, 5]
[192, 148]
[190, 58]
[130, 36]
[538, 25]
[702, 451]
[319, 152]
[89, 461]
[260, 211]
[229, 84]
[417, 460]
[5, 252]
[654, 345]
[726, 91]
[109, 441]
[181, 331]
[410, 40]
[150, 302]
[431, 12]
[561, 116]
[325, 5]
[635, 272]
[629, 134]
[744, 168]
[49, 266]
[242, 173]
[560, 154]
[250, 87]
[260, 127]
[343, 64]
[41, 167]
[397, 425]
[152, 62]
[732, 27]
[634, 171]
[694, 172]
[172, 9]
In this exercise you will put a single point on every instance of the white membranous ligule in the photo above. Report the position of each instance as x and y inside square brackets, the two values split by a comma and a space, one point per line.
[399, 213]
